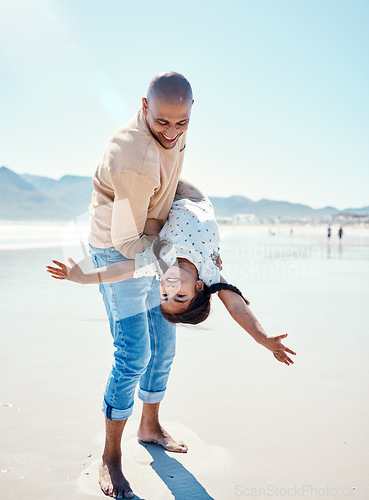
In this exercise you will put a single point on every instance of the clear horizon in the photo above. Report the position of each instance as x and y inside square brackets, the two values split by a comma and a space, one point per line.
[281, 104]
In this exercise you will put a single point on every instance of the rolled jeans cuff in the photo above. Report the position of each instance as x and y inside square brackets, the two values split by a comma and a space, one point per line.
[114, 414]
[150, 397]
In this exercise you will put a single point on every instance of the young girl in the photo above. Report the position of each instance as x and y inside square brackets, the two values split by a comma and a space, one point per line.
[185, 258]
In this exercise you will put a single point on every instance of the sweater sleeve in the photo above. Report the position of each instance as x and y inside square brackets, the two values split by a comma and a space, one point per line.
[132, 193]
[186, 189]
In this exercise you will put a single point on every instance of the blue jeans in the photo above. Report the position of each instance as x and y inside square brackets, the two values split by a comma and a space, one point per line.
[144, 341]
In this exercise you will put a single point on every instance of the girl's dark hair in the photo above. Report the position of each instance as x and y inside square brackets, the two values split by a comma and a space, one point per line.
[199, 308]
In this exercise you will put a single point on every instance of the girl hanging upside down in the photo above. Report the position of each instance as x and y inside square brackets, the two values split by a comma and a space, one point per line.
[185, 258]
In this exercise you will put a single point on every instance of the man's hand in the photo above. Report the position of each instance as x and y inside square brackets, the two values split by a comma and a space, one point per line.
[63, 272]
[279, 350]
[215, 257]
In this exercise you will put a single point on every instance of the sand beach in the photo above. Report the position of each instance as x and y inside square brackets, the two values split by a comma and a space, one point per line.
[255, 428]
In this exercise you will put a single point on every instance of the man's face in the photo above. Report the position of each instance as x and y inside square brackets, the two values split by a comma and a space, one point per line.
[167, 122]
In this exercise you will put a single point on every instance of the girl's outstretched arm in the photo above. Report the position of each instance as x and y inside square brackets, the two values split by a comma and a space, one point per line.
[113, 273]
[243, 315]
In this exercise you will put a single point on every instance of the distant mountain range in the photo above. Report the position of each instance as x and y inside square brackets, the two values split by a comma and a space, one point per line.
[33, 197]
[227, 207]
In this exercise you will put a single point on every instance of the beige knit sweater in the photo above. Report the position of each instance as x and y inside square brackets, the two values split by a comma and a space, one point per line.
[134, 187]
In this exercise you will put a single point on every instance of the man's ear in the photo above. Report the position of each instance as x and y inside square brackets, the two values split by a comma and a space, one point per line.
[144, 106]
[200, 286]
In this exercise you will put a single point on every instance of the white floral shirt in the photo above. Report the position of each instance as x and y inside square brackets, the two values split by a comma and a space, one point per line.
[192, 233]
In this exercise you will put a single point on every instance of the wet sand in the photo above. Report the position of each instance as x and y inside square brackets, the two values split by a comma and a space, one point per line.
[254, 427]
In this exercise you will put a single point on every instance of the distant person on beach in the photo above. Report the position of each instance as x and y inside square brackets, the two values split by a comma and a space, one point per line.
[340, 233]
[329, 232]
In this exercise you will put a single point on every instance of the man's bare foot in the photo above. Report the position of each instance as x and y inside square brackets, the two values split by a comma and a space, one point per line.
[156, 434]
[112, 481]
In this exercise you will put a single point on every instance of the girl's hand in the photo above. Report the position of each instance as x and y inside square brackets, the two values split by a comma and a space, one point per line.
[63, 272]
[279, 350]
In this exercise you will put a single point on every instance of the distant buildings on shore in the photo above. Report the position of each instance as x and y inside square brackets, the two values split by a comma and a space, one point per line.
[343, 218]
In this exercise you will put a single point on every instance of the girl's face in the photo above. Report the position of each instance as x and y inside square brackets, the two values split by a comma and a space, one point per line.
[178, 286]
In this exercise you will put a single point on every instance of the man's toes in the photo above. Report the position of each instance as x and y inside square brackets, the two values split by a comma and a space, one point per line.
[179, 448]
[108, 490]
[128, 494]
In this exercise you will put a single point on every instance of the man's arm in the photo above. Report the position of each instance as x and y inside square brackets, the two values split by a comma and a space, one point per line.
[186, 189]
[243, 315]
[132, 197]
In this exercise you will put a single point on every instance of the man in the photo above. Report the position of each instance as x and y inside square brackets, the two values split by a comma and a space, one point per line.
[134, 186]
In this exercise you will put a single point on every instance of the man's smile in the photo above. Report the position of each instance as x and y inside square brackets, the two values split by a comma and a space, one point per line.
[168, 139]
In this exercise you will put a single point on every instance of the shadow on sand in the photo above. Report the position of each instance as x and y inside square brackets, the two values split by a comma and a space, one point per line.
[181, 483]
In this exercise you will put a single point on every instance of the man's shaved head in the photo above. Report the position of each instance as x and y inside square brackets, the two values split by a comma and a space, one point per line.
[170, 87]
[167, 107]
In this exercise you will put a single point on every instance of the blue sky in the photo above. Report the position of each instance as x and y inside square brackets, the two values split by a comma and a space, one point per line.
[281, 89]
